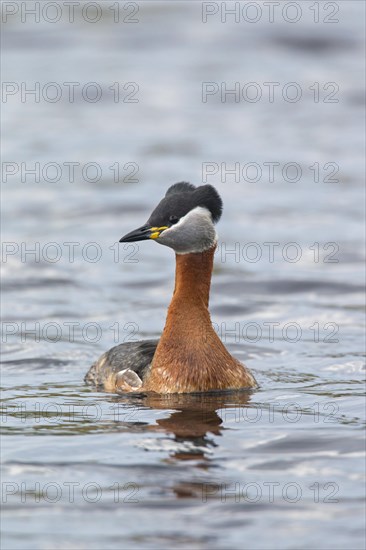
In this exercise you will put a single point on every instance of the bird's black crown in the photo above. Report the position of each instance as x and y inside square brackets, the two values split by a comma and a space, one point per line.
[183, 197]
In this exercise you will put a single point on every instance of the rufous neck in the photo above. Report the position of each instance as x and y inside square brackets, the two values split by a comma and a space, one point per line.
[193, 276]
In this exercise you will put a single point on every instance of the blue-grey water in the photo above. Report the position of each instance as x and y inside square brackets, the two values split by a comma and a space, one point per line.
[280, 468]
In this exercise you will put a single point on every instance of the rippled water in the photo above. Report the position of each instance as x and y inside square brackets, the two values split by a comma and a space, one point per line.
[279, 468]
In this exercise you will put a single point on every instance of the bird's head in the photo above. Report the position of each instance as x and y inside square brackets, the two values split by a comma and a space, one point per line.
[183, 220]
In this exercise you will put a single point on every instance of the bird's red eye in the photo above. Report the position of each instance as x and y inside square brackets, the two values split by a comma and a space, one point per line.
[173, 219]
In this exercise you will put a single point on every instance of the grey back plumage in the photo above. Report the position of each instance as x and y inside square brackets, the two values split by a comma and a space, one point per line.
[136, 356]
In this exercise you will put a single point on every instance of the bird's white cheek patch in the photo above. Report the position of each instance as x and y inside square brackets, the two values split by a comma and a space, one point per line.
[195, 232]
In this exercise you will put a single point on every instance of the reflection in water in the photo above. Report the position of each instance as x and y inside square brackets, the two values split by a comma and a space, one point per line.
[193, 419]
[195, 416]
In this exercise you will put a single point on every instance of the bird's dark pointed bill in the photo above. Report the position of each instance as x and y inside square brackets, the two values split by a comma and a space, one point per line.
[141, 234]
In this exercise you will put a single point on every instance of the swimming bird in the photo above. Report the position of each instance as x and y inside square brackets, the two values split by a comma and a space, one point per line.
[189, 356]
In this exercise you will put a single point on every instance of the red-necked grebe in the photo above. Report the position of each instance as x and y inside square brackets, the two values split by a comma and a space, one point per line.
[189, 357]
